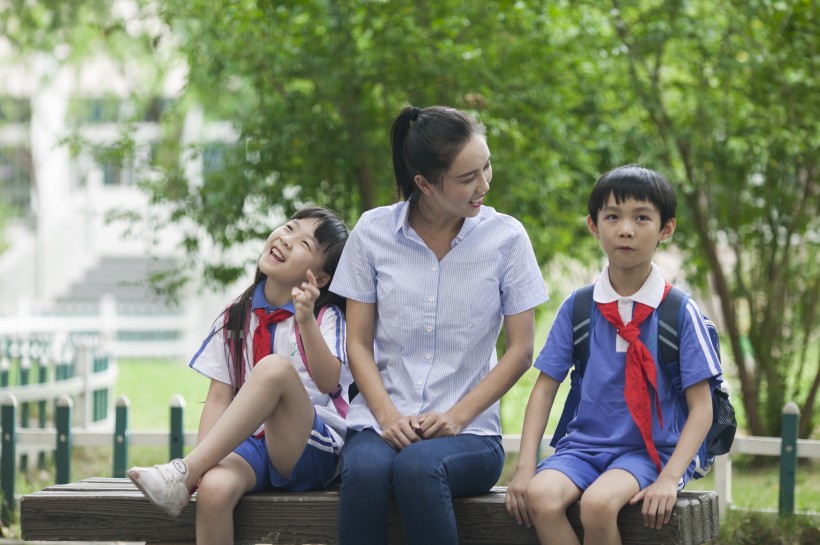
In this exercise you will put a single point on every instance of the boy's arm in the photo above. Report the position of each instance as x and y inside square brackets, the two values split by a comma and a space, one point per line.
[659, 498]
[536, 417]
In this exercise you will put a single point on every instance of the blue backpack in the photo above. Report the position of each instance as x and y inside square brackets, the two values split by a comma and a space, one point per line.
[670, 315]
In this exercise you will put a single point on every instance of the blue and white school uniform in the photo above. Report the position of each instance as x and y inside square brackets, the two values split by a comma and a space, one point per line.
[329, 427]
[437, 321]
[603, 435]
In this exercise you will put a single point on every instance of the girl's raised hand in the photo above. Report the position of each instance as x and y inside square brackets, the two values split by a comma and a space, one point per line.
[304, 298]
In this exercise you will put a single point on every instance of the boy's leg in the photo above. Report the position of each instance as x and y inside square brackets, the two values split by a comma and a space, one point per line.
[220, 489]
[273, 394]
[602, 502]
[549, 495]
[366, 489]
[428, 474]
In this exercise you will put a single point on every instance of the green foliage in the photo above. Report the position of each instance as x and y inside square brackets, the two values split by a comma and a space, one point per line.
[720, 96]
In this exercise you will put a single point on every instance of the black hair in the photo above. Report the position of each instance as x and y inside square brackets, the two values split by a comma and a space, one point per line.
[426, 141]
[637, 182]
[331, 235]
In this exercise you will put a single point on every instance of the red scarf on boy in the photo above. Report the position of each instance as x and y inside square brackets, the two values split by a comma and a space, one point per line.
[640, 369]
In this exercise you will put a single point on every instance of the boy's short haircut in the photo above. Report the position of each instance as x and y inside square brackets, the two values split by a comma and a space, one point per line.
[637, 182]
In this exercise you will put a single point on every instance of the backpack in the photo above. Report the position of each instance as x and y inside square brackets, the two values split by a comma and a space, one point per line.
[670, 316]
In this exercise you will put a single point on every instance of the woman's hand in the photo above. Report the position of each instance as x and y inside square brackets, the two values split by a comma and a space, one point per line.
[305, 298]
[401, 432]
[438, 425]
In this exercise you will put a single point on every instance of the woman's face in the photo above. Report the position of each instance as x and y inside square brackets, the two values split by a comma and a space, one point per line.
[462, 188]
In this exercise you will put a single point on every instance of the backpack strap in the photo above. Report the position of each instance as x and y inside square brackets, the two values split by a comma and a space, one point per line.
[669, 319]
[581, 313]
[336, 395]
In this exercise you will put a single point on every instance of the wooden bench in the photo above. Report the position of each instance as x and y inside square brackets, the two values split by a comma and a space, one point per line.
[114, 510]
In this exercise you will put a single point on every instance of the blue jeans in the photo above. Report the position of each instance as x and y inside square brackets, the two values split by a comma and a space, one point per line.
[423, 479]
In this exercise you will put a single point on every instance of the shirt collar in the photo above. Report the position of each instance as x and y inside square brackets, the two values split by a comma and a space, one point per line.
[403, 222]
[650, 294]
[259, 301]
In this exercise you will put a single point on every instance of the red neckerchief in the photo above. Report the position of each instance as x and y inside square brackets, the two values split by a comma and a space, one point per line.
[640, 369]
[261, 335]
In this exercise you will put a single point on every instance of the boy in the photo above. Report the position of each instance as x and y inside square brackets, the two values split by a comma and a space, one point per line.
[630, 440]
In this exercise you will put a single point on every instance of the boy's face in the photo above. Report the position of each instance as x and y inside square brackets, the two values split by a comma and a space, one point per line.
[629, 232]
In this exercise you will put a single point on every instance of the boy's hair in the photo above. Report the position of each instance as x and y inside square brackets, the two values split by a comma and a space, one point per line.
[637, 182]
[426, 141]
[331, 234]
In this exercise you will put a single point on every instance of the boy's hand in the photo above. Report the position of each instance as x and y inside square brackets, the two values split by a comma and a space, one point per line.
[516, 497]
[304, 298]
[658, 502]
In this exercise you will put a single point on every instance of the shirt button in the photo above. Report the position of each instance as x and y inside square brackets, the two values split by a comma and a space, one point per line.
[428, 329]
[434, 268]
[431, 299]
[624, 302]
[428, 355]
[419, 382]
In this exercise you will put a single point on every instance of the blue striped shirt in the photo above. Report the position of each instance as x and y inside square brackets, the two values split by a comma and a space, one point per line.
[437, 322]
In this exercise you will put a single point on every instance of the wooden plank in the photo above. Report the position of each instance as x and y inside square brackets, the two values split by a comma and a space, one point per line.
[114, 510]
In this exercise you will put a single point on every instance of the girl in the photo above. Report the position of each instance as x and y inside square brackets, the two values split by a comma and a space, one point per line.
[430, 280]
[274, 414]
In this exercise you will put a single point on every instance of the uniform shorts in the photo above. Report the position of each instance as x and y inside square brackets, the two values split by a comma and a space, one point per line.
[316, 468]
[583, 467]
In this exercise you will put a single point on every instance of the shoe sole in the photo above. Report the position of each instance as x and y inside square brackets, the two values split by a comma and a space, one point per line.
[148, 497]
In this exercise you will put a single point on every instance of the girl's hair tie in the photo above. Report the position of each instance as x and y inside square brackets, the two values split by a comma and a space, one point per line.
[414, 114]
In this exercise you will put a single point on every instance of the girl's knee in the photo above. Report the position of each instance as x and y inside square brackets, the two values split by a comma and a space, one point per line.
[274, 369]
[544, 500]
[217, 492]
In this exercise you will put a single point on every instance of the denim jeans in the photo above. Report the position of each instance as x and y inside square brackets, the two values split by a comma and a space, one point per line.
[422, 478]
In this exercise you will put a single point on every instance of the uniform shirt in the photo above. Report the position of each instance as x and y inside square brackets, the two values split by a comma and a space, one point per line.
[437, 322]
[211, 362]
[603, 420]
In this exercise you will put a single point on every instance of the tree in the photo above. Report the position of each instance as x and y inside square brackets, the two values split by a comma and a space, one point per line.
[726, 100]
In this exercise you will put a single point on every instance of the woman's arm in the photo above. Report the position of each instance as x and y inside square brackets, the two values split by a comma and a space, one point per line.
[219, 397]
[397, 430]
[520, 334]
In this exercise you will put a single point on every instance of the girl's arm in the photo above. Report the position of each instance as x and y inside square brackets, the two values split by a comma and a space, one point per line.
[325, 367]
[520, 334]
[659, 498]
[397, 430]
[536, 417]
[219, 397]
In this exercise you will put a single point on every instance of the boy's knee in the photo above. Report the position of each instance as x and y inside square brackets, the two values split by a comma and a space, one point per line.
[597, 506]
[542, 500]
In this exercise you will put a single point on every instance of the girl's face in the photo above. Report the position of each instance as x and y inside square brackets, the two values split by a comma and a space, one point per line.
[290, 251]
[462, 188]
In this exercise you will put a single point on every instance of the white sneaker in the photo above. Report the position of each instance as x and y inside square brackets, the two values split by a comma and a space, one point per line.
[163, 485]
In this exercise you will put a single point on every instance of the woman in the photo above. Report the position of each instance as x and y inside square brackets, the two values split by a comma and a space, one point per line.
[429, 281]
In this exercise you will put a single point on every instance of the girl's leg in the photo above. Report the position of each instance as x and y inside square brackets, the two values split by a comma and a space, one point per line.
[273, 394]
[549, 494]
[428, 474]
[366, 489]
[602, 502]
[220, 489]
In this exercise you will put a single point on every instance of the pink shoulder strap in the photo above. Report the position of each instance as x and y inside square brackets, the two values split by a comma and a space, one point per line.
[336, 395]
